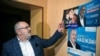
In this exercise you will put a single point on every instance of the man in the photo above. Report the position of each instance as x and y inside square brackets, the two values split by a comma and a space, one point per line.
[26, 45]
[82, 17]
[72, 42]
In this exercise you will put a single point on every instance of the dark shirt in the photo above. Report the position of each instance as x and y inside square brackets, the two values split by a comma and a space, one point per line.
[70, 45]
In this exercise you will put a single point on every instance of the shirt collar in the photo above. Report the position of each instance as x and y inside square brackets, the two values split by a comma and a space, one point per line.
[21, 41]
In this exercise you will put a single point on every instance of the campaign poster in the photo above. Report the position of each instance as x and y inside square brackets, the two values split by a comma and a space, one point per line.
[90, 12]
[70, 17]
[82, 41]
[86, 15]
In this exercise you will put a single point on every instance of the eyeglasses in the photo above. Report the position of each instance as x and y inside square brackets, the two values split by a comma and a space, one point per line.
[23, 28]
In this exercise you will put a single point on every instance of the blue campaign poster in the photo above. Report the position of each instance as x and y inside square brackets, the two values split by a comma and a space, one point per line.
[82, 41]
[86, 15]
[82, 22]
[91, 12]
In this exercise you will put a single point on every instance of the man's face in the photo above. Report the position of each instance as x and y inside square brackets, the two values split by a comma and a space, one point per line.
[73, 35]
[24, 30]
[82, 12]
[71, 13]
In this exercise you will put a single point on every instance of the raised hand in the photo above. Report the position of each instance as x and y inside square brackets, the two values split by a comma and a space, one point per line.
[61, 27]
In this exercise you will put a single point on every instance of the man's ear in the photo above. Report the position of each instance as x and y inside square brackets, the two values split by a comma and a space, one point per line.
[18, 32]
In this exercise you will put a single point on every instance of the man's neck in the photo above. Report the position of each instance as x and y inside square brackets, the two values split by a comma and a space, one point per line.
[20, 38]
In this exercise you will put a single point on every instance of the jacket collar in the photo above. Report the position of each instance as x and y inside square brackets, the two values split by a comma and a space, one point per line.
[17, 48]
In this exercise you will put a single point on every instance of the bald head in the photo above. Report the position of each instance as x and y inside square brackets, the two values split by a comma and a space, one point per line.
[22, 30]
[19, 24]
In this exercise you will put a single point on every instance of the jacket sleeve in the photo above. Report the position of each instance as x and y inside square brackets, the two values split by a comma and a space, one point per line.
[52, 40]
